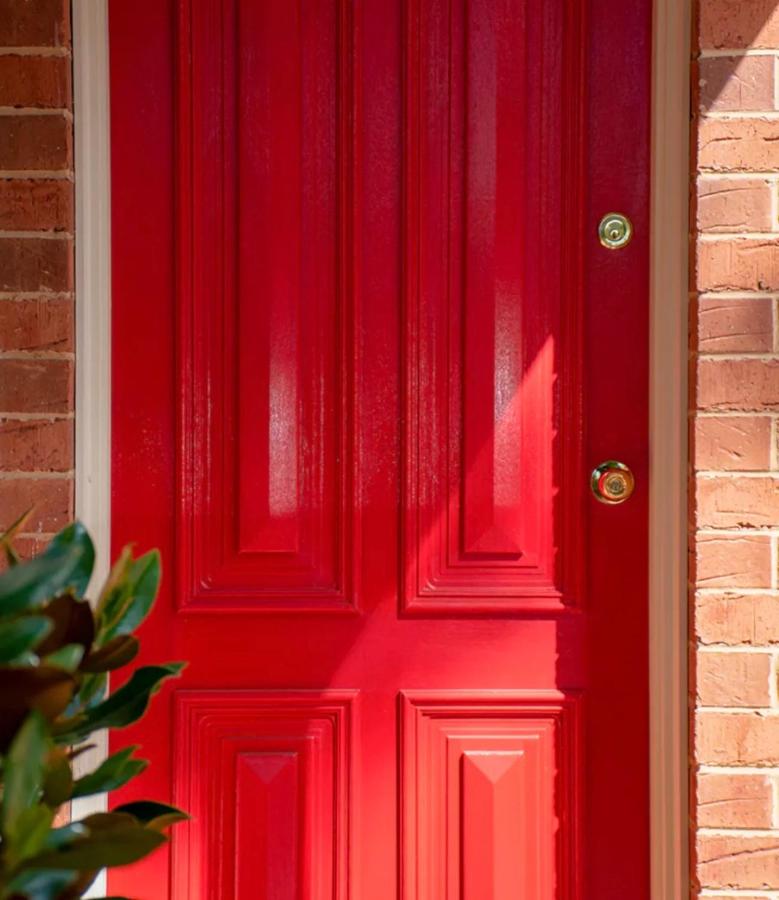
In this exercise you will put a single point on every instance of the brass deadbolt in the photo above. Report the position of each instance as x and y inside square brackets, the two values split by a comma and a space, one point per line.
[615, 231]
[612, 482]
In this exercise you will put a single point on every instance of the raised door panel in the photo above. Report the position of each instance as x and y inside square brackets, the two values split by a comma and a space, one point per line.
[489, 796]
[492, 305]
[265, 305]
[265, 777]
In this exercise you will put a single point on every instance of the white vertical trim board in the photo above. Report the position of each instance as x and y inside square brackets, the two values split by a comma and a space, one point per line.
[93, 308]
[668, 452]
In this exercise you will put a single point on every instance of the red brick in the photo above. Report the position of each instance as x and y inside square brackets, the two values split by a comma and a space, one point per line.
[733, 679]
[36, 325]
[733, 562]
[34, 23]
[40, 446]
[732, 326]
[39, 81]
[25, 545]
[738, 145]
[35, 142]
[738, 384]
[737, 739]
[732, 618]
[742, 264]
[734, 204]
[33, 204]
[734, 24]
[734, 801]
[738, 861]
[32, 264]
[733, 442]
[36, 385]
[742, 83]
[730, 501]
[50, 498]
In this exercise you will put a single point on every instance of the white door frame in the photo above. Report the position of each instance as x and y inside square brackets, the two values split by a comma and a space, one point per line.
[668, 414]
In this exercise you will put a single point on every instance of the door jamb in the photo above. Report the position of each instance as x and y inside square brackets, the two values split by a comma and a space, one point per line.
[668, 402]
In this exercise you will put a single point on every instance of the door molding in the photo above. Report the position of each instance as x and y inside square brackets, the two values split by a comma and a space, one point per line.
[668, 401]
[668, 714]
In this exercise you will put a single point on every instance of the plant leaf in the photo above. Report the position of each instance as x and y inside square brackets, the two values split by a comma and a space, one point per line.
[107, 844]
[123, 707]
[65, 565]
[143, 577]
[21, 635]
[67, 657]
[23, 773]
[58, 780]
[44, 885]
[152, 814]
[30, 832]
[117, 770]
[72, 621]
[113, 655]
[23, 689]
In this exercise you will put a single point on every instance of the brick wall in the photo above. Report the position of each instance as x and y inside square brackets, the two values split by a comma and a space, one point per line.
[735, 343]
[36, 266]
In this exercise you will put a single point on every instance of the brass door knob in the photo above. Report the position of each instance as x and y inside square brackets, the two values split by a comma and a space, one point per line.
[612, 482]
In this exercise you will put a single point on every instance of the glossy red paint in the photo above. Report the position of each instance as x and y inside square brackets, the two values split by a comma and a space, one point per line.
[367, 351]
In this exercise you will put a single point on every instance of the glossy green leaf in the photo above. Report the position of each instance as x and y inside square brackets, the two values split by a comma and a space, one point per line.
[43, 688]
[23, 772]
[143, 579]
[73, 624]
[58, 837]
[45, 885]
[67, 657]
[65, 565]
[152, 814]
[113, 845]
[19, 636]
[58, 779]
[117, 770]
[122, 708]
[113, 655]
[30, 832]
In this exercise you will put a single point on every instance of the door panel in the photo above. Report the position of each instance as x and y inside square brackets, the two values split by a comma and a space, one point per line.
[367, 350]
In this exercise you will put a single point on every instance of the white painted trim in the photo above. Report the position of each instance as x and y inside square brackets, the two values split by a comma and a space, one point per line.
[668, 425]
[93, 309]
[668, 436]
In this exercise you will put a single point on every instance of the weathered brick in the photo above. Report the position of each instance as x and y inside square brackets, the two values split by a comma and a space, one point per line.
[740, 443]
[36, 446]
[742, 83]
[34, 23]
[50, 498]
[39, 81]
[732, 618]
[732, 23]
[26, 546]
[733, 679]
[738, 861]
[36, 325]
[737, 739]
[738, 384]
[36, 204]
[733, 204]
[733, 562]
[733, 801]
[732, 326]
[35, 142]
[730, 501]
[36, 385]
[738, 145]
[742, 264]
[33, 264]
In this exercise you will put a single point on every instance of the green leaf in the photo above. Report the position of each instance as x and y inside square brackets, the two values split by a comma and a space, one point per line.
[58, 837]
[117, 770]
[45, 885]
[106, 845]
[21, 635]
[65, 565]
[143, 579]
[58, 780]
[152, 814]
[23, 689]
[113, 655]
[122, 708]
[67, 657]
[23, 772]
[31, 829]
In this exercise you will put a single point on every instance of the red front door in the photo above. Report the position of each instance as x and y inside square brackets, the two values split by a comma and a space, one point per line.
[367, 350]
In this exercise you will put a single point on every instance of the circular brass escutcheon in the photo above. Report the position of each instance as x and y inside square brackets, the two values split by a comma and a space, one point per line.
[615, 231]
[612, 482]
